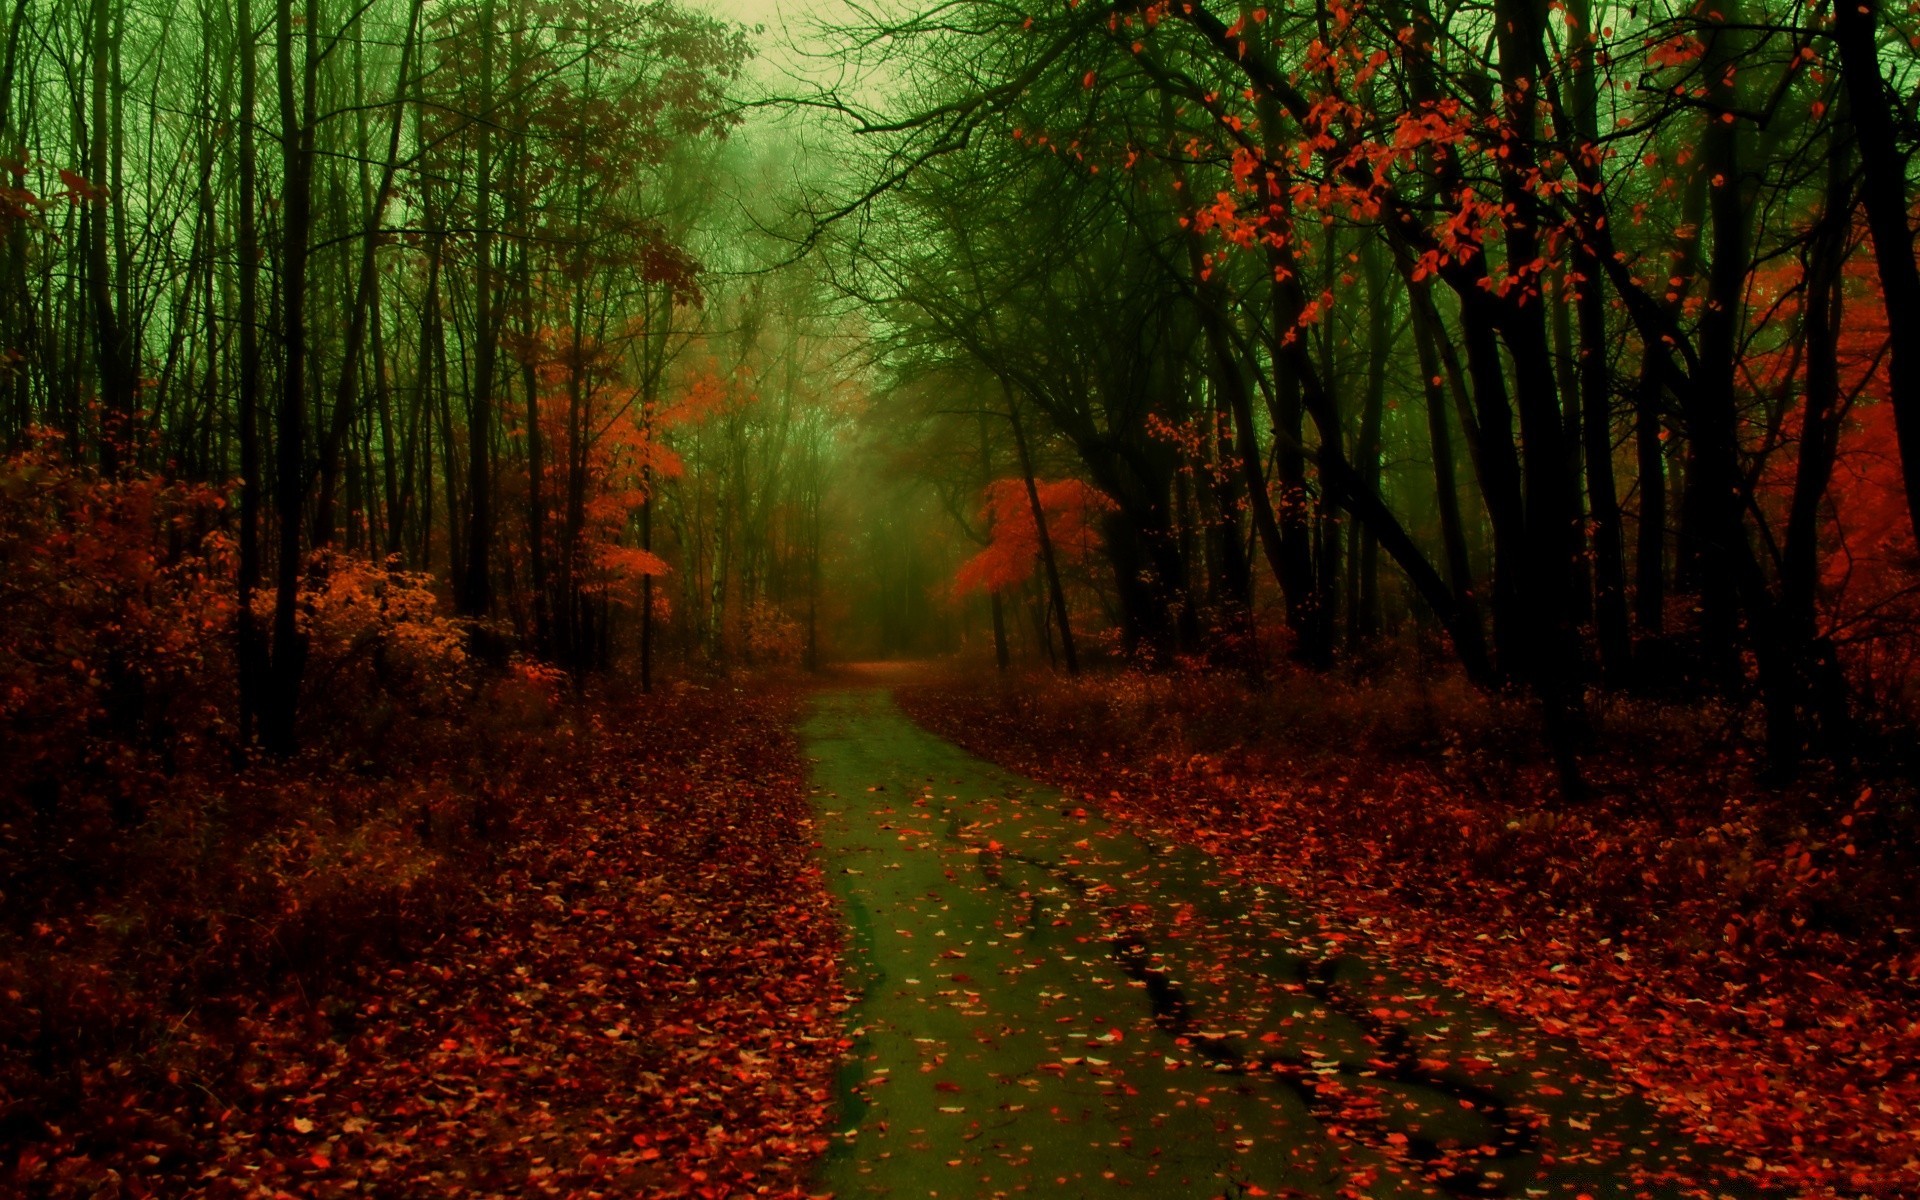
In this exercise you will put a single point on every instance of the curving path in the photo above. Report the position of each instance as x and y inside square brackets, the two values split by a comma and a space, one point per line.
[1048, 1004]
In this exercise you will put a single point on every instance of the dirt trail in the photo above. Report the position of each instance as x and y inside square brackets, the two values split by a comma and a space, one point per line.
[1051, 1004]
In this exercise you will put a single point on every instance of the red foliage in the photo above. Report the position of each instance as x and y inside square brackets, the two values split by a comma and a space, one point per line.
[596, 423]
[1072, 510]
[1745, 957]
[592, 996]
[1872, 576]
[1870, 568]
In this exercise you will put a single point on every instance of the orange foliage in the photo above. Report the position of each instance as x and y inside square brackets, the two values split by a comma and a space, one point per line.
[1071, 507]
[584, 395]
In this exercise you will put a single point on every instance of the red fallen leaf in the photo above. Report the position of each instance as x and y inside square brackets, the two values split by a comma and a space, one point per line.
[1522, 898]
[944, 1086]
[773, 993]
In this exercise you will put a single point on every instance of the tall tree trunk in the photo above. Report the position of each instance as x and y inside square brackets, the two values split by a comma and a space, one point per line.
[1713, 525]
[296, 138]
[475, 595]
[116, 383]
[1552, 517]
[1001, 658]
[18, 413]
[1295, 567]
[1068, 652]
[1453, 534]
[1657, 376]
[1808, 666]
[248, 641]
[1872, 107]
[361, 306]
[1363, 590]
[1595, 391]
[1603, 499]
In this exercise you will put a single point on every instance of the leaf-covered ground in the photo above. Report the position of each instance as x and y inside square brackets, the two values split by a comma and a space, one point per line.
[1049, 1002]
[1738, 954]
[634, 996]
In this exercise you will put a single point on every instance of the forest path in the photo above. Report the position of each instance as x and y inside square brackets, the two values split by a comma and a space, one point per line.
[1050, 1003]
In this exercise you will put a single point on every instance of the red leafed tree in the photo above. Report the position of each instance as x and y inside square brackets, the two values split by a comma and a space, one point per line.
[604, 459]
[1072, 510]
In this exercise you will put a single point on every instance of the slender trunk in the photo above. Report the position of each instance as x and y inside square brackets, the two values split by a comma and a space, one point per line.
[1294, 570]
[296, 133]
[1453, 536]
[383, 411]
[247, 250]
[537, 467]
[646, 585]
[1228, 554]
[1657, 375]
[1001, 659]
[361, 306]
[1650, 460]
[1068, 653]
[1364, 553]
[115, 378]
[475, 594]
[1603, 499]
[18, 414]
[1807, 667]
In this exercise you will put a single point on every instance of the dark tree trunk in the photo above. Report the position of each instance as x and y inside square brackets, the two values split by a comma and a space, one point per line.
[1806, 662]
[1603, 498]
[475, 594]
[250, 657]
[1872, 107]
[116, 372]
[289, 645]
[1453, 535]
[1057, 594]
[361, 307]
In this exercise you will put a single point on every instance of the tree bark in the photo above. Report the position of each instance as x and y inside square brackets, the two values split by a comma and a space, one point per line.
[1885, 194]
[115, 373]
[1068, 653]
[248, 640]
[475, 595]
[296, 135]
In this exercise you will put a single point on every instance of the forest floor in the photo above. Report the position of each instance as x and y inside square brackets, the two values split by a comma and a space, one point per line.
[627, 986]
[1743, 955]
[1051, 1003]
[1322, 940]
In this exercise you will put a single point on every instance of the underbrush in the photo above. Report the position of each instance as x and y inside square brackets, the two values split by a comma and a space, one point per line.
[459, 943]
[1745, 953]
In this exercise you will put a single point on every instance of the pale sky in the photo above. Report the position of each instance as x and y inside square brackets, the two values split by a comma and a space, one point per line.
[750, 12]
